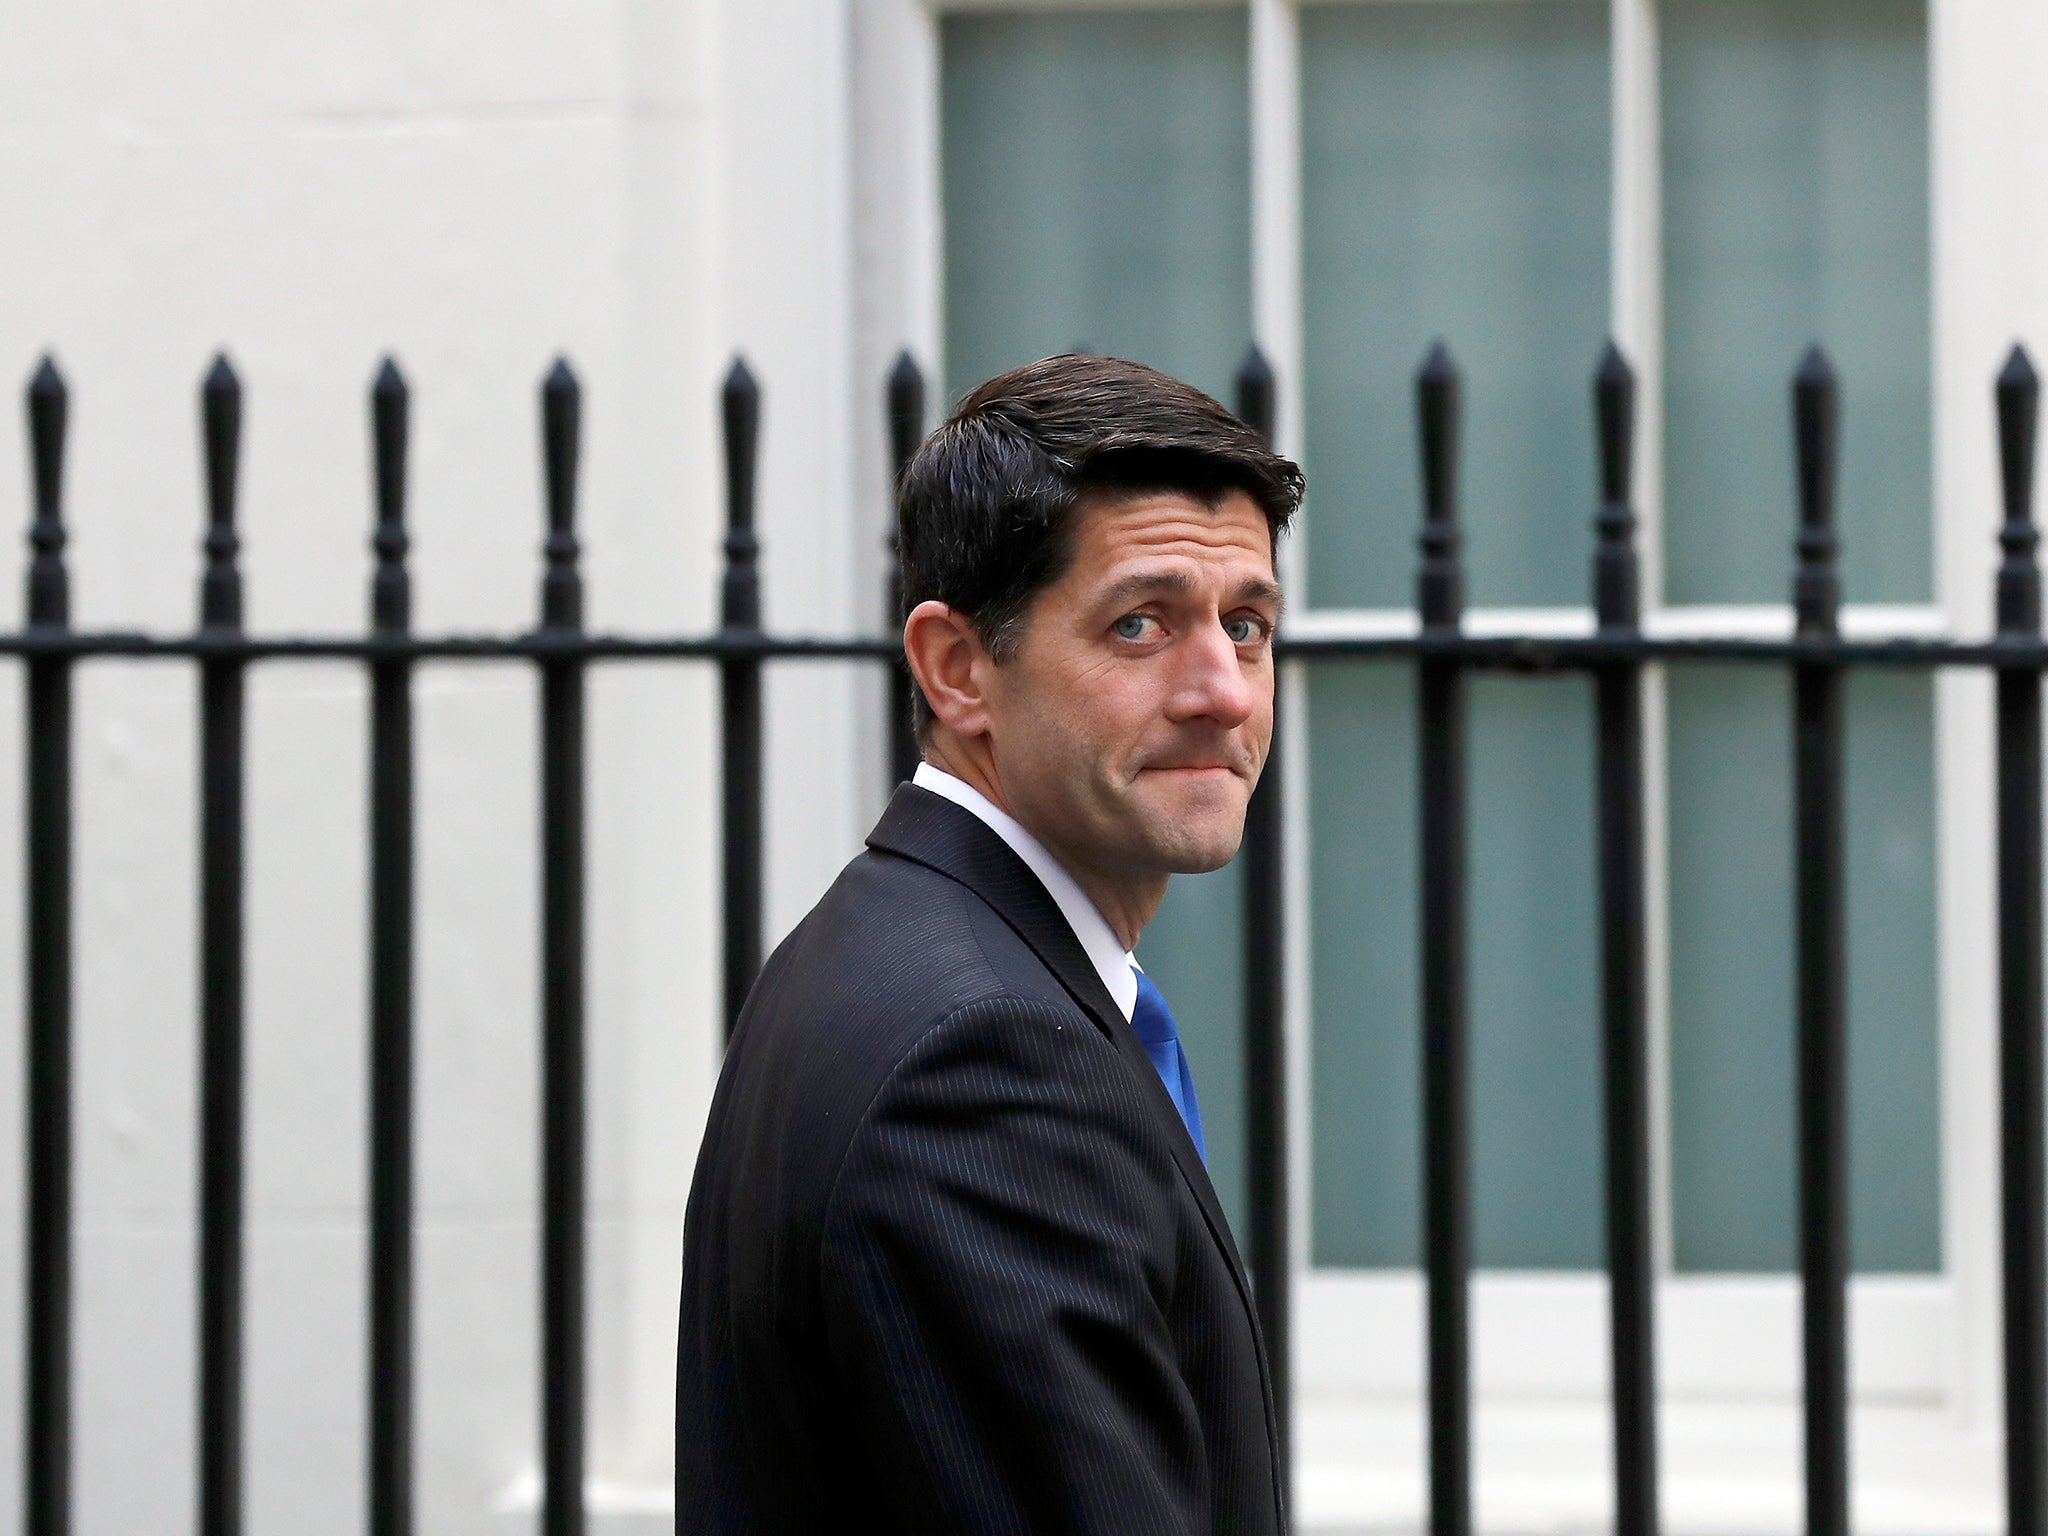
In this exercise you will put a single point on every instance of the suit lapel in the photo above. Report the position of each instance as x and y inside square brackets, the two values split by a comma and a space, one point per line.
[954, 841]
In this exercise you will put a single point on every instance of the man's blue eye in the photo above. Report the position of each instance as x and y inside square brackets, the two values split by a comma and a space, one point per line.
[1241, 631]
[1131, 626]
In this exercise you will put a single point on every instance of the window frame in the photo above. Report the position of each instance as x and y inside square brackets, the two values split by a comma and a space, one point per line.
[1923, 1347]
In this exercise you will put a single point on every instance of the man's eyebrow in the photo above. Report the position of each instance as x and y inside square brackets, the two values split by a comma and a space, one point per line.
[1253, 589]
[1262, 589]
[1147, 583]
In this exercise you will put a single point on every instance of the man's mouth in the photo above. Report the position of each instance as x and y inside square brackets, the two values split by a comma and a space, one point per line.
[1191, 768]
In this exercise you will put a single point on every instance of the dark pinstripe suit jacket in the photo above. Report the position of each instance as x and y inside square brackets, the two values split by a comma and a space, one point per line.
[951, 1263]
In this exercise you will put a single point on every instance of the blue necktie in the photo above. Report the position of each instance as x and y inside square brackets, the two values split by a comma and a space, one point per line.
[1152, 1023]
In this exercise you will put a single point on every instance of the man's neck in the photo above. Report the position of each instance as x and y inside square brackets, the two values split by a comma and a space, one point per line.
[1126, 904]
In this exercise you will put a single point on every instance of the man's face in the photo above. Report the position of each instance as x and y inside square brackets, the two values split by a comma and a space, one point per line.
[1131, 724]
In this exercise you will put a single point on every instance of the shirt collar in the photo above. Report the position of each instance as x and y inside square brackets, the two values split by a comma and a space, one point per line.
[1111, 960]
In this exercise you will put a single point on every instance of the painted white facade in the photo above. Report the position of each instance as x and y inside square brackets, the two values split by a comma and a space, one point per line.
[646, 185]
[474, 187]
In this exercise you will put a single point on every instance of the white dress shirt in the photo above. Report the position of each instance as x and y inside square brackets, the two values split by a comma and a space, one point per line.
[1111, 960]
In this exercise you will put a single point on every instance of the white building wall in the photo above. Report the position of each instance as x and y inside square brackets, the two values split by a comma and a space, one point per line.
[474, 186]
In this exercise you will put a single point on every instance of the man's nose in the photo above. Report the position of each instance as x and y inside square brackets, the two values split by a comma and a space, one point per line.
[1213, 683]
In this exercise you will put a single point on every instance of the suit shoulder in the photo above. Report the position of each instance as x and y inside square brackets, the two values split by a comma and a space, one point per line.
[892, 936]
[891, 950]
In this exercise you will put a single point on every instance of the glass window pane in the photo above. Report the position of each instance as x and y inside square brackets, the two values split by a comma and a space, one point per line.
[1097, 191]
[1097, 197]
[1732, 1070]
[1795, 150]
[1455, 170]
[1194, 950]
[1365, 1118]
[1535, 1063]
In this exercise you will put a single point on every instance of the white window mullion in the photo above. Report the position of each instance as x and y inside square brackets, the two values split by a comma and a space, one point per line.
[1636, 293]
[1636, 261]
[1276, 204]
[1275, 73]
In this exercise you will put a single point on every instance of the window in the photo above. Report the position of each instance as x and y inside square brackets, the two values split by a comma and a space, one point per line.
[1796, 205]
[1097, 192]
[1454, 184]
[1716, 183]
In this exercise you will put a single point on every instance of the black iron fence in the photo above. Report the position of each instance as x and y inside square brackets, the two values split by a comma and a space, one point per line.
[562, 650]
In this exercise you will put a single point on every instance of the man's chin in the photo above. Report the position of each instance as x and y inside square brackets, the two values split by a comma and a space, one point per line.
[1196, 834]
[1201, 861]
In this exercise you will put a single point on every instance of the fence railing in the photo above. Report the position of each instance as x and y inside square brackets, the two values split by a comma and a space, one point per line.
[561, 650]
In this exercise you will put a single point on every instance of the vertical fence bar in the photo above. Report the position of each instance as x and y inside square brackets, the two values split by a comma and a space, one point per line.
[1265, 1043]
[2019, 968]
[1822, 1013]
[1618, 695]
[1446, 1191]
[905, 399]
[46, 1353]
[561, 677]
[739, 678]
[221, 682]
[391, 954]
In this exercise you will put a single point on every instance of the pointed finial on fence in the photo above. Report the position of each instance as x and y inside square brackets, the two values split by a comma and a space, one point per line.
[1257, 393]
[903, 400]
[2019, 575]
[1816, 409]
[220, 415]
[1439, 584]
[740, 600]
[904, 397]
[1617, 595]
[49, 585]
[390, 585]
[561, 428]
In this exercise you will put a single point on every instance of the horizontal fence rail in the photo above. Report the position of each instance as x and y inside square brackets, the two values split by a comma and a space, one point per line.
[1613, 655]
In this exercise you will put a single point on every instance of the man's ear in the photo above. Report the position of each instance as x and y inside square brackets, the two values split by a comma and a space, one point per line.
[951, 665]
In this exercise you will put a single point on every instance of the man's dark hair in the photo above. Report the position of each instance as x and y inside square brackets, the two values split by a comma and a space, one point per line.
[986, 508]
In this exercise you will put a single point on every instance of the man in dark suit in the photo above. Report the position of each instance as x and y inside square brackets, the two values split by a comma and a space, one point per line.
[952, 1261]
